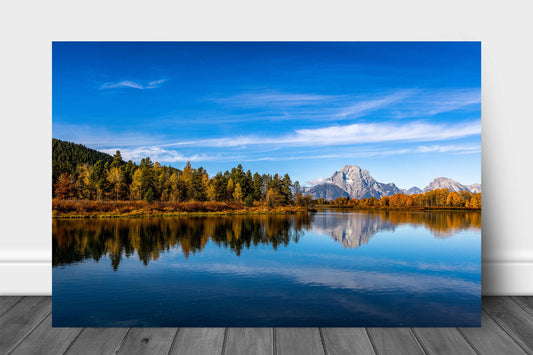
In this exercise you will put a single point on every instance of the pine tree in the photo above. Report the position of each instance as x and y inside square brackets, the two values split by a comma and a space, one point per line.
[117, 160]
[257, 186]
[149, 195]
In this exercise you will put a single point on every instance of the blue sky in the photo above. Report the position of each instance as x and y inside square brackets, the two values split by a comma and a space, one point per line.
[406, 111]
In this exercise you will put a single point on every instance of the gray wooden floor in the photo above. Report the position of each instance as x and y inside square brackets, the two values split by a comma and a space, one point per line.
[25, 328]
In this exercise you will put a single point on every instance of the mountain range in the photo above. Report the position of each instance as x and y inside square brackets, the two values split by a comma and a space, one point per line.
[353, 182]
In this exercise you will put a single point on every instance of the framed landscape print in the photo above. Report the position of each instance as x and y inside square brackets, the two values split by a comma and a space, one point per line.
[266, 184]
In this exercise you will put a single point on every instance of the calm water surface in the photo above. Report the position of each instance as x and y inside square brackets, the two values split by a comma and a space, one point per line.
[382, 268]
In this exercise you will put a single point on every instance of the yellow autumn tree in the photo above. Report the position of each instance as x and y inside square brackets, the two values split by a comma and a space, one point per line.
[272, 198]
[136, 185]
[174, 190]
[116, 179]
[211, 192]
[230, 187]
[237, 193]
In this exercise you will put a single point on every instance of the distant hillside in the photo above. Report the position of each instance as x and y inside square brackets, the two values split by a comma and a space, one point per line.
[327, 191]
[445, 183]
[412, 191]
[66, 156]
[474, 188]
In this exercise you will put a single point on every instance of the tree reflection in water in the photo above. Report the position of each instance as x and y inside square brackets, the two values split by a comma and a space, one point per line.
[77, 239]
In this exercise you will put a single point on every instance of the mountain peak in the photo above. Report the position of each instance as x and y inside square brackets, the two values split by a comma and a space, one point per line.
[445, 183]
[441, 179]
[348, 167]
[358, 183]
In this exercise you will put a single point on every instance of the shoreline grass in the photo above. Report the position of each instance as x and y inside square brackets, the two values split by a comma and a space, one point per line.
[116, 209]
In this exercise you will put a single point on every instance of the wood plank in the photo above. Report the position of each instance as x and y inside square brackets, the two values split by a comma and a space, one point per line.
[525, 302]
[443, 341]
[204, 341]
[98, 341]
[346, 341]
[244, 341]
[45, 340]
[7, 302]
[18, 321]
[490, 339]
[298, 341]
[148, 341]
[514, 320]
[400, 341]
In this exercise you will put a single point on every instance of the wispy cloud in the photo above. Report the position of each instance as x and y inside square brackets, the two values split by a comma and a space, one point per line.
[269, 98]
[370, 152]
[434, 102]
[449, 148]
[132, 85]
[159, 154]
[363, 106]
[357, 133]
[401, 103]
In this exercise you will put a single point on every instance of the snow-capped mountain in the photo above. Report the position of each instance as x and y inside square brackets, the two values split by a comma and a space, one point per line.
[353, 182]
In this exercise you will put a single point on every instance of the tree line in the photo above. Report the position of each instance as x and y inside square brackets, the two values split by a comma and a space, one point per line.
[115, 179]
[438, 198]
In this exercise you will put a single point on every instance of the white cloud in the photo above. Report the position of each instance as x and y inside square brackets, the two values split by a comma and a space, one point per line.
[357, 133]
[316, 181]
[101, 137]
[132, 84]
[158, 154]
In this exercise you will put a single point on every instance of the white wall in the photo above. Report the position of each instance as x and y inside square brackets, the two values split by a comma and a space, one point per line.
[28, 27]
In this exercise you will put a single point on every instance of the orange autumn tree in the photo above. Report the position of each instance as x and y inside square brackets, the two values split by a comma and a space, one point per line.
[64, 187]
[438, 198]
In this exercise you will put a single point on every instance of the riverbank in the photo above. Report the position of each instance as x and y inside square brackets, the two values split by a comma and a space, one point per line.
[113, 209]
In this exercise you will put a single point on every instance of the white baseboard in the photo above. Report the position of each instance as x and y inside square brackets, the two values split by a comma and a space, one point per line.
[35, 278]
[25, 278]
[509, 278]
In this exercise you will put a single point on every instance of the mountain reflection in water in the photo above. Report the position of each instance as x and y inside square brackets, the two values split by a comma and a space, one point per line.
[355, 229]
[75, 240]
